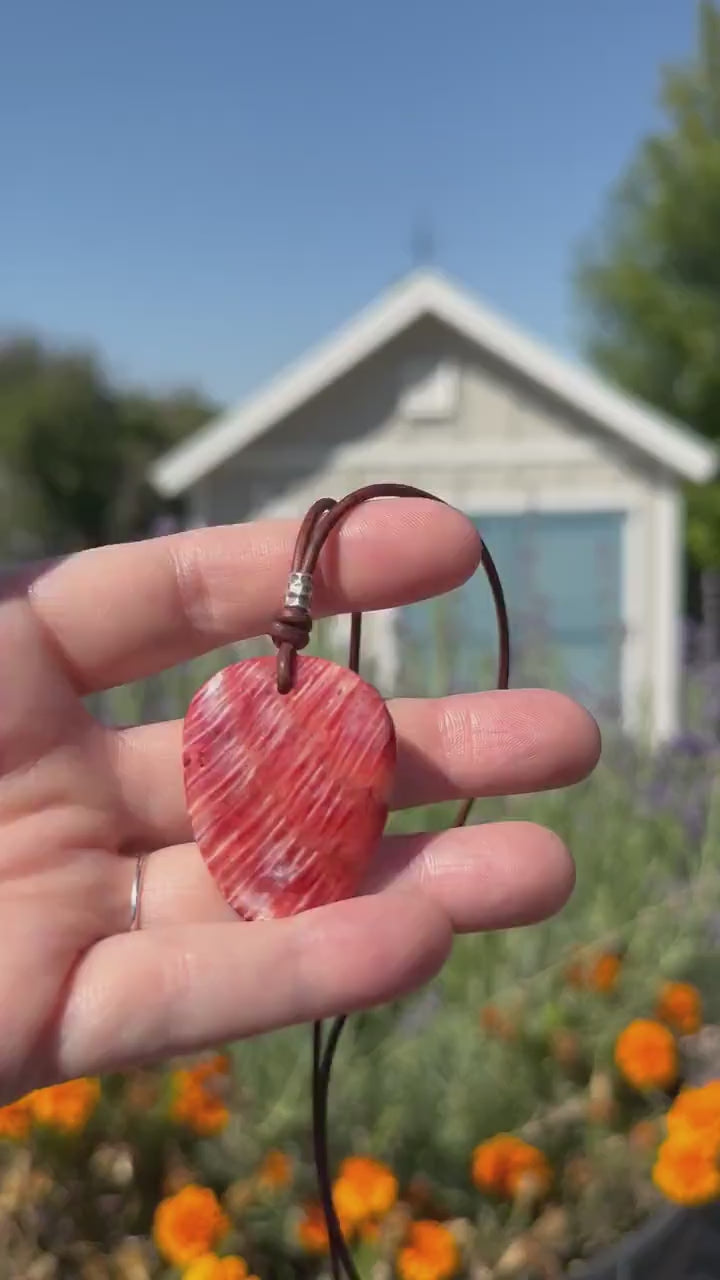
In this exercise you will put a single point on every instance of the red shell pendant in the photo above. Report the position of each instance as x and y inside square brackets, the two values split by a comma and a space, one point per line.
[287, 793]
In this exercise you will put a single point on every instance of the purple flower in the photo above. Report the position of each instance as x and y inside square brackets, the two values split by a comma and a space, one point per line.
[690, 744]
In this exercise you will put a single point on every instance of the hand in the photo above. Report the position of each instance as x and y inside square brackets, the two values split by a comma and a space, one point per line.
[79, 800]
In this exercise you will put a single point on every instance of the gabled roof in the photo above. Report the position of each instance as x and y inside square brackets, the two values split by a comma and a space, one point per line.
[421, 294]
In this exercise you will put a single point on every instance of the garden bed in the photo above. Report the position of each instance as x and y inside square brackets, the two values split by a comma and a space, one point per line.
[524, 1034]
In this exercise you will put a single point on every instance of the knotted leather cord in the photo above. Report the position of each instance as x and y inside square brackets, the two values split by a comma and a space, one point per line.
[290, 632]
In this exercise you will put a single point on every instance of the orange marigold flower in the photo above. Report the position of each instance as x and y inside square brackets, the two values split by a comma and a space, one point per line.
[508, 1166]
[15, 1120]
[680, 1005]
[696, 1110]
[275, 1170]
[67, 1106]
[218, 1065]
[497, 1023]
[312, 1230]
[646, 1055]
[366, 1188]
[211, 1267]
[196, 1105]
[686, 1170]
[605, 972]
[350, 1204]
[599, 972]
[429, 1254]
[188, 1224]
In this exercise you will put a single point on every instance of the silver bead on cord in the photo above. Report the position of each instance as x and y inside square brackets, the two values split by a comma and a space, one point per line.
[299, 591]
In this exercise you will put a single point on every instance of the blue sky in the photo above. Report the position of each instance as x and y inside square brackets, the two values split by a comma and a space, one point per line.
[202, 188]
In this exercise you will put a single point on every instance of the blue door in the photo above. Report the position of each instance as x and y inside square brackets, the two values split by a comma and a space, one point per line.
[562, 575]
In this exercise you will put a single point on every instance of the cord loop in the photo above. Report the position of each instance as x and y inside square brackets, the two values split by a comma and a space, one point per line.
[290, 632]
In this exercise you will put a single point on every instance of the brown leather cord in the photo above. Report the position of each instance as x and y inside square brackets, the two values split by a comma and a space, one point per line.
[290, 632]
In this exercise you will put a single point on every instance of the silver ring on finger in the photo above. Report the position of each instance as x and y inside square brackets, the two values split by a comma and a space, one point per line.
[136, 892]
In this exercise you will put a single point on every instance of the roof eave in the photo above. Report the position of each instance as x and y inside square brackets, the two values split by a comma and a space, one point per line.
[682, 452]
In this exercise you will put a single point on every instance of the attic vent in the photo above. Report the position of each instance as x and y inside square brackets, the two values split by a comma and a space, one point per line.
[430, 390]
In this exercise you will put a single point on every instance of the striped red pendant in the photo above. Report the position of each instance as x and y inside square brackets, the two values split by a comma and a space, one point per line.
[287, 793]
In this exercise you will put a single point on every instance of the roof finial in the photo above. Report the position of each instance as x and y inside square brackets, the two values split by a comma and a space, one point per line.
[423, 244]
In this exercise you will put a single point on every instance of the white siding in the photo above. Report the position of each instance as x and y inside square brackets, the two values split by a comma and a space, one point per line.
[508, 448]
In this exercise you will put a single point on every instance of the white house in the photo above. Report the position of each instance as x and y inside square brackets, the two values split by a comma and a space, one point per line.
[576, 487]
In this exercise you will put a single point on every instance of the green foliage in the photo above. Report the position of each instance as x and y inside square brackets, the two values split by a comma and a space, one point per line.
[419, 1083]
[650, 284]
[74, 450]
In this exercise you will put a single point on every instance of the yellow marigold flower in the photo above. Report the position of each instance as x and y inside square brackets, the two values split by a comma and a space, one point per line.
[68, 1106]
[646, 1055]
[680, 1005]
[366, 1188]
[15, 1120]
[188, 1225]
[429, 1254]
[196, 1105]
[686, 1170]
[275, 1170]
[312, 1230]
[696, 1110]
[211, 1267]
[508, 1166]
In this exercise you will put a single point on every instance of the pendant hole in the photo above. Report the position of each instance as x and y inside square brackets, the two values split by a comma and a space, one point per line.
[200, 760]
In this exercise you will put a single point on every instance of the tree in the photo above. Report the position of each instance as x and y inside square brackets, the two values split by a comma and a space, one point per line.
[649, 286]
[74, 450]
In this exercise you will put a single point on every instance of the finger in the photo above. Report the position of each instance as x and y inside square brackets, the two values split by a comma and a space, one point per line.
[484, 744]
[495, 876]
[153, 994]
[123, 612]
[39, 706]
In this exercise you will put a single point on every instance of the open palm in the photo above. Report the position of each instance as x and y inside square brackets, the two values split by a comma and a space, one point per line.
[79, 801]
